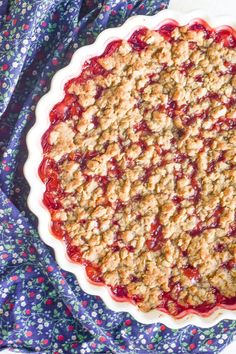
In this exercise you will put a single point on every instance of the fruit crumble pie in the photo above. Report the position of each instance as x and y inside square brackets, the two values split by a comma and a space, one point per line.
[140, 168]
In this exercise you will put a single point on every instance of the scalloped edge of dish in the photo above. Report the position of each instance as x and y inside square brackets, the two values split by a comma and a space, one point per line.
[37, 188]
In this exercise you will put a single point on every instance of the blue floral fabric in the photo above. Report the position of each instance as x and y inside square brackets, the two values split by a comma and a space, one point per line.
[42, 308]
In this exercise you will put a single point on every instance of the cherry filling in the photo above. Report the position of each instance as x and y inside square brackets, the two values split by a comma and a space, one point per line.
[95, 121]
[171, 108]
[46, 167]
[115, 247]
[197, 230]
[115, 170]
[226, 37]
[69, 108]
[179, 157]
[177, 200]
[195, 184]
[134, 279]
[232, 231]
[229, 265]
[102, 181]
[120, 291]
[199, 78]
[191, 273]
[220, 247]
[136, 41]
[135, 299]
[147, 174]
[231, 68]
[94, 273]
[74, 253]
[178, 174]
[142, 144]
[215, 218]
[92, 68]
[212, 165]
[186, 67]
[57, 229]
[167, 29]
[142, 127]
[111, 48]
[45, 140]
[130, 248]
[53, 184]
[83, 159]
[169, 299]
[156, 242]
[202, 27]
[66, 109]
[224, 124]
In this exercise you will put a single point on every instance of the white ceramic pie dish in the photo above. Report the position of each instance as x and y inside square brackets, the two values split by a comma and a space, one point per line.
[35, 156]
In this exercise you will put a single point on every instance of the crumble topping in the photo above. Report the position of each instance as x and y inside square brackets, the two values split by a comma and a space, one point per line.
[139, 166]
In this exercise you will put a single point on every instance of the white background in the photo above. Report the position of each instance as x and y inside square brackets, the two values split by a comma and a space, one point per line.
[214, 7]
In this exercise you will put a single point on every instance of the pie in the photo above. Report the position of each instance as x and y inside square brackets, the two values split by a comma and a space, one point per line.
[140, 168]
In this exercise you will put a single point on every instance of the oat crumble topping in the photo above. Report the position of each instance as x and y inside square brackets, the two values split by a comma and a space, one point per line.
[139, 166]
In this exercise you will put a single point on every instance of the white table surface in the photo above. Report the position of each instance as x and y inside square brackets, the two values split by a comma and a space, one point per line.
[214, 7]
